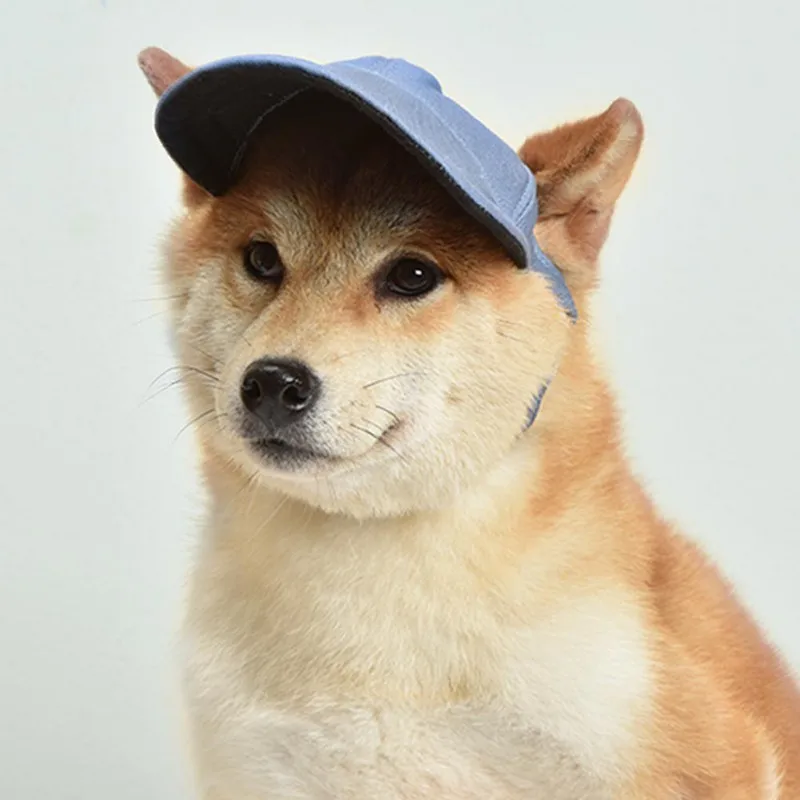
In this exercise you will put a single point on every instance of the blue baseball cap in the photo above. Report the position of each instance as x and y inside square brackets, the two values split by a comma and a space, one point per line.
[205, 120]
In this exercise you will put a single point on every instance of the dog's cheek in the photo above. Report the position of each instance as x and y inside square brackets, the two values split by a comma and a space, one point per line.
[207, 315]
[211, 333]
[513, 351]
[478, 408]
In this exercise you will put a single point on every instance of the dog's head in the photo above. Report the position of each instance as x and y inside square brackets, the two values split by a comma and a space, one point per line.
[352, 337]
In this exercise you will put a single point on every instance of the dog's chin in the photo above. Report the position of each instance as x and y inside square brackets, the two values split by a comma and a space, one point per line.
[283, 458]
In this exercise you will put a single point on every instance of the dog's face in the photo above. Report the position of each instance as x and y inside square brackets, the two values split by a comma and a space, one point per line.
[350, 336]
[368, 344]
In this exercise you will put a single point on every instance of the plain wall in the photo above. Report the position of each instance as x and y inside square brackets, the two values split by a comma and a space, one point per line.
[98, 498]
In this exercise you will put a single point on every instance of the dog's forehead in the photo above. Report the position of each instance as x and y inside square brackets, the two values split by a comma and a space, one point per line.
[338, 174]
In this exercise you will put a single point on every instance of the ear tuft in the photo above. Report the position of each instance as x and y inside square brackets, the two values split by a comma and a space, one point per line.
[625, 115]
[161, 69]
[586, 162]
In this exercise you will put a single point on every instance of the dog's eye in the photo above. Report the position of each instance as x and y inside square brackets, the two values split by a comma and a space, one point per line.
[410, 277]
[262, 262]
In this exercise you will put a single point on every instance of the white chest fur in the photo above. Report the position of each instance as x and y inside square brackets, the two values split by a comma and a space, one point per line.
[322, 672]
[323, 750]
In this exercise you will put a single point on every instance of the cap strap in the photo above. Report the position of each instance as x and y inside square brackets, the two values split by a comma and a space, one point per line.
[534, 407]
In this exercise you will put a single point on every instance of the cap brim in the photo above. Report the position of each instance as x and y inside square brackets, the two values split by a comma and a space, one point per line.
[206, 119]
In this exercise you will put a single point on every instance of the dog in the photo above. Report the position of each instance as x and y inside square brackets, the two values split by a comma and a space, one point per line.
[427, 569]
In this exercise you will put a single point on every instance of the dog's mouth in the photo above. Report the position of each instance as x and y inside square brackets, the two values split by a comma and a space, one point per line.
[285, 454]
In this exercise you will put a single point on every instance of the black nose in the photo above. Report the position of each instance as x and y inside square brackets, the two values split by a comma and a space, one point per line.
[279, 391]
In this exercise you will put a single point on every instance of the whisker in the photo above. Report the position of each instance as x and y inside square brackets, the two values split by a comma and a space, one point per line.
[160, 376]
[366, 430]
[186, 368]
[214, 361]
[374, 425]
[246, 486]
[197, 371]
[515, 324]
[275, 511]
[217, 418]
[250, 486]
[150, 317]
[149, 398]
[391, 378]
[210, 377]
[307, 520]
[390, 413]
[331, 489]
[378, 439]
[181, 296]
[347, 354]
[531, 329]
[512, 338]
[247, 341]
[194, 421]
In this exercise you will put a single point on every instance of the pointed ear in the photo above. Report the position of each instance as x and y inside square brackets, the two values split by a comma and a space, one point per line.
[161, 69]
[581, 169]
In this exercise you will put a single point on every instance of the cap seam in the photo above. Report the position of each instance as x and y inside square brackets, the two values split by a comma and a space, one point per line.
[242, 145]
[454, 133]
[528, 197]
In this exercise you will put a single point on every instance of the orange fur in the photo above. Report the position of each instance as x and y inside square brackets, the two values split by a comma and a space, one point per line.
[469, 613]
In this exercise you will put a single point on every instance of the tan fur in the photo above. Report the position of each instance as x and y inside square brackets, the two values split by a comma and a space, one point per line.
[449, 609]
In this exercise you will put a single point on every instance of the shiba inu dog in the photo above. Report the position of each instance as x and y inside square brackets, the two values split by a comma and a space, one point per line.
[426, 568]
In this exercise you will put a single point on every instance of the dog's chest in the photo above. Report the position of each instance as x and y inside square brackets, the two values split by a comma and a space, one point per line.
[267, 751]
[556, 724]
[339, 672]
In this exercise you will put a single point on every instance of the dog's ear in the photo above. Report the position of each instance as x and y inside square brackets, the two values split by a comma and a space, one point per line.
[581, 169]
[162, 70]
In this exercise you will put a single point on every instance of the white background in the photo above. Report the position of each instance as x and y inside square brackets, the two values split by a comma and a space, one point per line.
[97, 497]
